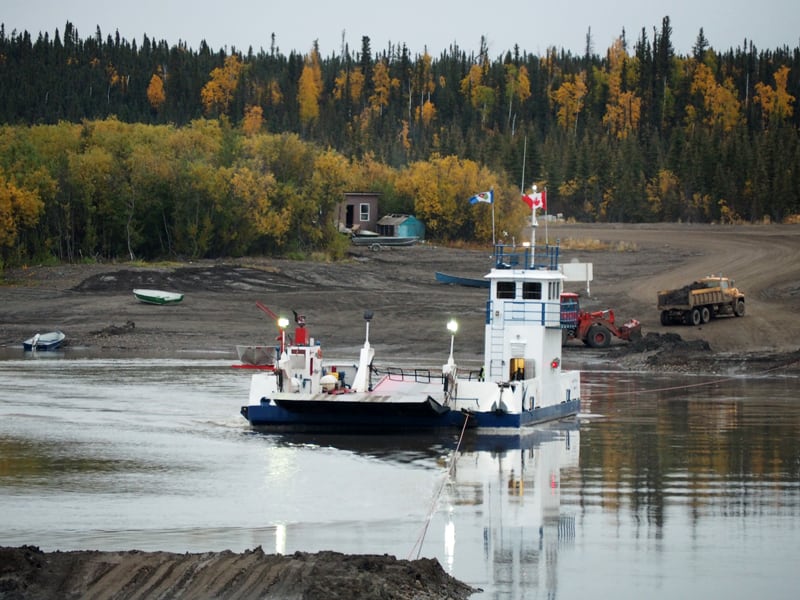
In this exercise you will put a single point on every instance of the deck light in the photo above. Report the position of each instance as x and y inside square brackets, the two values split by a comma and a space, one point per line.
[283, 323]
[452, 327]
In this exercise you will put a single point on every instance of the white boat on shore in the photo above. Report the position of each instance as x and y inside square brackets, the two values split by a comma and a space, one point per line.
[157, 296]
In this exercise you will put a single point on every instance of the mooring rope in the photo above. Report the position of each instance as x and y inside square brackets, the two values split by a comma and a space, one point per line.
[694, 385]
[435, 499]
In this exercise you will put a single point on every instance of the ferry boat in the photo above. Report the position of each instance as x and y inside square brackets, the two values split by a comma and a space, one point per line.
[522, 382]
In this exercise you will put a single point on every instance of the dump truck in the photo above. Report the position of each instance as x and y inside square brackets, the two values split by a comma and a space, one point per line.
[700, 301]
[595, 329]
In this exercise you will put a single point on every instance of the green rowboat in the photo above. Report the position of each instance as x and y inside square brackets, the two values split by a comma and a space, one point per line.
[157, 296]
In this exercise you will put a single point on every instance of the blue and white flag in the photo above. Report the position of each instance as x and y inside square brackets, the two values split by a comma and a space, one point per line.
[487, 197]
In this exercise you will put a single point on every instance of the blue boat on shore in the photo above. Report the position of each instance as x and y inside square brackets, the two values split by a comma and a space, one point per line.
[52, 340]
[458, 280]
[521, 383]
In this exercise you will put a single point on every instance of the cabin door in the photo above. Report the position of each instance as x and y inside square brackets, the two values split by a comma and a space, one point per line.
[517, 372]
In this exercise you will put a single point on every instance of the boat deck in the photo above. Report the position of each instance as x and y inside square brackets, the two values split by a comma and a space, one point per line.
[393, 386]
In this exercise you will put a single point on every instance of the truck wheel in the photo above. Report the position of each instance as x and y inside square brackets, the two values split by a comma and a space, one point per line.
[598, 337]
[665, 320]
[738, 308]
[695, 318]
[705, 314]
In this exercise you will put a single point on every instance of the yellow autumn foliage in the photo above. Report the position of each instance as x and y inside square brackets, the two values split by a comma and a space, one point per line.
[570, 98]
[155, 92]
[19, 208]
[217, 94]
[253, 120]
[310, 88]
[721, 106]
[441, 188]
[776, 103]
[624, 108]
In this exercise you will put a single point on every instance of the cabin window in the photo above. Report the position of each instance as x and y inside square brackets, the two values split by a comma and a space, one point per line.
[531, 290]
[506, 289]
[555, 292]
[364, 211]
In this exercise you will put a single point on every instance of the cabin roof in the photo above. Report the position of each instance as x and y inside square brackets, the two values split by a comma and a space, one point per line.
[526, 274]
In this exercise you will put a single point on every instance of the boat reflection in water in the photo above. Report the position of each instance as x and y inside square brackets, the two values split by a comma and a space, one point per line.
[508, 491]
[496, 521]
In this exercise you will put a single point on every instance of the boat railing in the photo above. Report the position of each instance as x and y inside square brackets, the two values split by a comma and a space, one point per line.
[546, 313]
[526, 257]
[415, 374]
[471, 375]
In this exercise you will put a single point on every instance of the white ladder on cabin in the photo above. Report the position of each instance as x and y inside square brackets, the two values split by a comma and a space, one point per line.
[496, 349]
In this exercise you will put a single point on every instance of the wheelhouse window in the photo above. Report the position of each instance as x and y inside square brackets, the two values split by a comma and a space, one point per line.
[364, 211]
[531, 290]
[506, 289]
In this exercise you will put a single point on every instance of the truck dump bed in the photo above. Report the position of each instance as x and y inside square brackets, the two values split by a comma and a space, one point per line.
[689, 296]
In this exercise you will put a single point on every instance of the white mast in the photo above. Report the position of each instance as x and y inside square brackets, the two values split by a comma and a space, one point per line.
[534, 225]
[361, 380]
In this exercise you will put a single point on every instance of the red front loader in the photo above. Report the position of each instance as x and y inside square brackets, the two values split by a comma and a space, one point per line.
[594, 329]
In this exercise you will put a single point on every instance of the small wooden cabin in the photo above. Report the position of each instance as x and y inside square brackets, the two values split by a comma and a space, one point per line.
[358, 212]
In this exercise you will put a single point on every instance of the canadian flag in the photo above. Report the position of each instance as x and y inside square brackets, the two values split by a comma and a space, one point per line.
[537, 200]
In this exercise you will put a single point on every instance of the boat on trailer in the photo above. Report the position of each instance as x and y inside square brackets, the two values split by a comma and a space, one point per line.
[376, 242]
[521, 383]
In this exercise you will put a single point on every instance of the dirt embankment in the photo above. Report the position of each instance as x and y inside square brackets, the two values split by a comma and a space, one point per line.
[28, 574]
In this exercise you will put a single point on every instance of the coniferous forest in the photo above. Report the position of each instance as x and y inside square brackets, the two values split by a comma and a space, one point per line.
[115, 149]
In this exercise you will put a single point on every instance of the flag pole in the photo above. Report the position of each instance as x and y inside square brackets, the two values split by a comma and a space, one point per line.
[494, 242]
[546, 237]
[522, 193]
[534, 222]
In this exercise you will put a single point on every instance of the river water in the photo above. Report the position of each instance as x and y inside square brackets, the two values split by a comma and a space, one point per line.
[664, 487]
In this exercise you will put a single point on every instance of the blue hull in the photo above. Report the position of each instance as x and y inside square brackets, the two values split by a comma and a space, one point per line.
[41, 347]
[45, 342]
[399, 417]
[527, 418]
